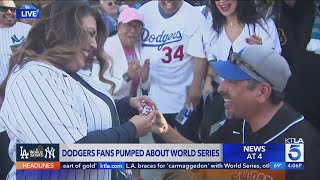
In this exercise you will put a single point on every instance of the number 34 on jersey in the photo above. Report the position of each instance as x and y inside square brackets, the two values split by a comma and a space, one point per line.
[171, 54]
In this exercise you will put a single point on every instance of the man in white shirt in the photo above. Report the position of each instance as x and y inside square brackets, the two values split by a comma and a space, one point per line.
[12, 34]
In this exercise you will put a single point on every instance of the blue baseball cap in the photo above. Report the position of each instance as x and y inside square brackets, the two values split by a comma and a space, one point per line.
[257, 62]
[229, 71]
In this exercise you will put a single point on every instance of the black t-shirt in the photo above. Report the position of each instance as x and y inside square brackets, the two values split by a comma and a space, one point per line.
[286, 123]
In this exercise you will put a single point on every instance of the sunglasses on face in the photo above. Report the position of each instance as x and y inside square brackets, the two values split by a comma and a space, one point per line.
[5, 9]
[236, 60]
[110, 3]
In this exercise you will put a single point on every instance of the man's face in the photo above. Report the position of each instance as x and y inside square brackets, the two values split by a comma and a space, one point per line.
[239, 101]
[7, 16]
[170, 6]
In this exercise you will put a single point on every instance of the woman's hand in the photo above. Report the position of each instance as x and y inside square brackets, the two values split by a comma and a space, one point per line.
[143, 124]
[254, 40]
[145, 70]
[134, 69]
[136, 102]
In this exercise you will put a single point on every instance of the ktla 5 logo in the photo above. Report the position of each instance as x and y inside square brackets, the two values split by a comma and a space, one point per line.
[294, 150]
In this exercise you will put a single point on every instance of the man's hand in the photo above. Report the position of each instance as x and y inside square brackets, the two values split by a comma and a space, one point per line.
[169, 135]
[207, 88]
[194, 93]
[160, 125]
[143, 123]
[136, 102]
[194, 96]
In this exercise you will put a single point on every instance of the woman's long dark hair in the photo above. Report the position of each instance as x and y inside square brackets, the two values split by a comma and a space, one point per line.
[55, 36]
[245, 10]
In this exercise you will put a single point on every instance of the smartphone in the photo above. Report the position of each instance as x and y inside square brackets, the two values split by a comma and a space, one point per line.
[183, 115]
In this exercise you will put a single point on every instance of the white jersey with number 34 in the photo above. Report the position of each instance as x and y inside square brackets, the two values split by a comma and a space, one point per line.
[170, 44]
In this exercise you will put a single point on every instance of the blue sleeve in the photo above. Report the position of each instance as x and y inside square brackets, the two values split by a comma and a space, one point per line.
[125, 133]
[125, 112]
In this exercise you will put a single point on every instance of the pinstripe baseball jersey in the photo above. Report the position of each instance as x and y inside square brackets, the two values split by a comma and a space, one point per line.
[11, 38]
[2, 127]
[45, 105]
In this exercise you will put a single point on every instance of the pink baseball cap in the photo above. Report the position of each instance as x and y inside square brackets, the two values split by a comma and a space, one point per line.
[130, 14]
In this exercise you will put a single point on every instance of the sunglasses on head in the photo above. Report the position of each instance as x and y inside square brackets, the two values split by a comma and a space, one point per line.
[5, 9]
[110, 3]
[237, 60]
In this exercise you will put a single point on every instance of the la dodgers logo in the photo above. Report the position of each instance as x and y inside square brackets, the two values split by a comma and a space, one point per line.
[153, 40]
[23, 153]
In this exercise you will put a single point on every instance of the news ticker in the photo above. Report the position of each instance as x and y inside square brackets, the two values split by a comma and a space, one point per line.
[207, 156]
[158, 165]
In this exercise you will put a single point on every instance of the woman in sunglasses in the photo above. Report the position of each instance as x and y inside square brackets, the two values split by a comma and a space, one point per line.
[124, 50]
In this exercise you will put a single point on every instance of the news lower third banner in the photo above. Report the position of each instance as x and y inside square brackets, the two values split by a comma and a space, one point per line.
[159, 156]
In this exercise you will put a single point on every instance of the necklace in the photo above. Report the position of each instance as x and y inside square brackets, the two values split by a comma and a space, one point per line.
[236, 24]
[232, 24]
